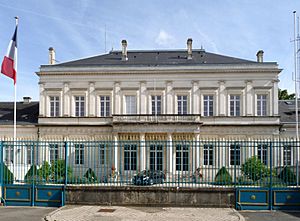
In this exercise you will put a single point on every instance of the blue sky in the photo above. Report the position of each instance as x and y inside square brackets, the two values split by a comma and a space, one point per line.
[76, 29]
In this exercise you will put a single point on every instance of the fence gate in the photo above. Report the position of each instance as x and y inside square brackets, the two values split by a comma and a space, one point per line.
[274, 175]
[29, 174]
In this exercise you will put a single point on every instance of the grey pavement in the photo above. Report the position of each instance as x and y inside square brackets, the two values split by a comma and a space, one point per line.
[24, 213]
[271, 215]
[114, 213]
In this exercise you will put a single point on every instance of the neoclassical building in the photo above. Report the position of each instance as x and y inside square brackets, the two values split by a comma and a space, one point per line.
[158, 99]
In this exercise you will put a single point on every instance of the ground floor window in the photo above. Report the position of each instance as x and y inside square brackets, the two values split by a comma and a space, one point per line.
[182, 157]
[235, 154]
[130, 157]
[287, 155]
[262, 153]
[156, 157]
[53, 152]
[79, 154]
[208, 154]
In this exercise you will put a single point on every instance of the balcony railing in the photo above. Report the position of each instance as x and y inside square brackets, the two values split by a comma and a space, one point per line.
[163, 118]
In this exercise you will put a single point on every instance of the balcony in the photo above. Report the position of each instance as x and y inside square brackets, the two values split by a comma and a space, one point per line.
[148, 118]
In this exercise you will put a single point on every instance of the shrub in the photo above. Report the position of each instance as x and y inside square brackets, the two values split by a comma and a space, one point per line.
[243, 180]
[265, 181]
[287, 176]
[45, 171]
[223, 177]
[31, 174]
[90, 175]
[8, 176]
[58, 170]
[254, 169]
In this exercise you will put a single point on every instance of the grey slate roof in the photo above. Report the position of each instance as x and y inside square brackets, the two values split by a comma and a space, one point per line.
[155, 58]
[27, 113]
[287, 111]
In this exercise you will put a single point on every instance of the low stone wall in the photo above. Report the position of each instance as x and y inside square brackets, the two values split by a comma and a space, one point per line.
[151, 196]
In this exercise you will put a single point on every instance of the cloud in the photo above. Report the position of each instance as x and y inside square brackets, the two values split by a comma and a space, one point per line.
[164, 38]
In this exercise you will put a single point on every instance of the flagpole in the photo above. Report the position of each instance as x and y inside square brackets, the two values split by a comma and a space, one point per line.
[15, 86]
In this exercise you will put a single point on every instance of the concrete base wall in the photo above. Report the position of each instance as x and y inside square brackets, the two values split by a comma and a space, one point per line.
[151, 196]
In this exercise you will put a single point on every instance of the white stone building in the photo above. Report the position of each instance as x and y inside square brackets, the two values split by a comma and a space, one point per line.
[142, 101]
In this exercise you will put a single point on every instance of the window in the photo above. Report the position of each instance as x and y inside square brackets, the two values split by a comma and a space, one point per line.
[287, 155]
[182, 104]
[235, 154]
[261, 105]
[156, 157]
[156, 104]
[79, 154]
[53, 152]
[104, 106]
[262, 153]
[29, 150]
[9, 154]
[79, 106]
[234, 105]
[208, 105]
[182, 157]
[102, 155]
[208, 154]
[54, 106]
[130, 104]
[130, 157]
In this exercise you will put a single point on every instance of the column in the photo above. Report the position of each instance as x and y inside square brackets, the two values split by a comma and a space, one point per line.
[275, 97]
[66, 95]
[116, 153]
[249, 98]
[142, 152]
[222, 98]
[195, 98]
[92, 100]
[171, 160]
[169, 98]
[143, 98]
[43, 105]
[117, 98]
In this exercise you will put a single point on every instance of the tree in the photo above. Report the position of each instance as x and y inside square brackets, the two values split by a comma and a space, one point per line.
[254, 169]
[284, 95]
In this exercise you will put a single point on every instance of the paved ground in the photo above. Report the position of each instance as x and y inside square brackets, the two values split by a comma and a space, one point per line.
[116, 213]
[270, 216]
[24, 213]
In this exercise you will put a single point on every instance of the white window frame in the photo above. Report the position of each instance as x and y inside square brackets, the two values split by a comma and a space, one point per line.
[80, 152]
[80, 114]
[106, 113]
[261, 112]
[237, 148]
[208, 154]
[208, 111]
[54, 103]
[156, 100]
[132, 110]
[235, 109]
[184, 110]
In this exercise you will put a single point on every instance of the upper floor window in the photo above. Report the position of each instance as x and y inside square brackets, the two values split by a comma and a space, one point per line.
[54, 106]
[79, 106]
[130, 104]
[208, 105]
[235, 105]
[182, 104]
[156, 104]
[104, 106]
[261, 105]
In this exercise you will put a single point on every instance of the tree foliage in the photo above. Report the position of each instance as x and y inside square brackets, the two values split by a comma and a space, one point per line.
[284, 95]
[254, 169]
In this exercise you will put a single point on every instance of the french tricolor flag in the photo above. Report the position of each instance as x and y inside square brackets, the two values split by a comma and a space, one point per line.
[9, 64]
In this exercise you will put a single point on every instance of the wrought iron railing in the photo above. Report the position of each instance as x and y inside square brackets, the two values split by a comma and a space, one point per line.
[162, 118]
[178, 163]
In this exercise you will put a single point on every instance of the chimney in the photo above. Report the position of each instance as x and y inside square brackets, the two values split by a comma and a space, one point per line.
[189, 48]
[51, 55]
[124, 50]
[26, 100]
[260, 56]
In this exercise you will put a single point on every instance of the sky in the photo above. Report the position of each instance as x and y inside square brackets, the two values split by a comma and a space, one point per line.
[76, 29]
